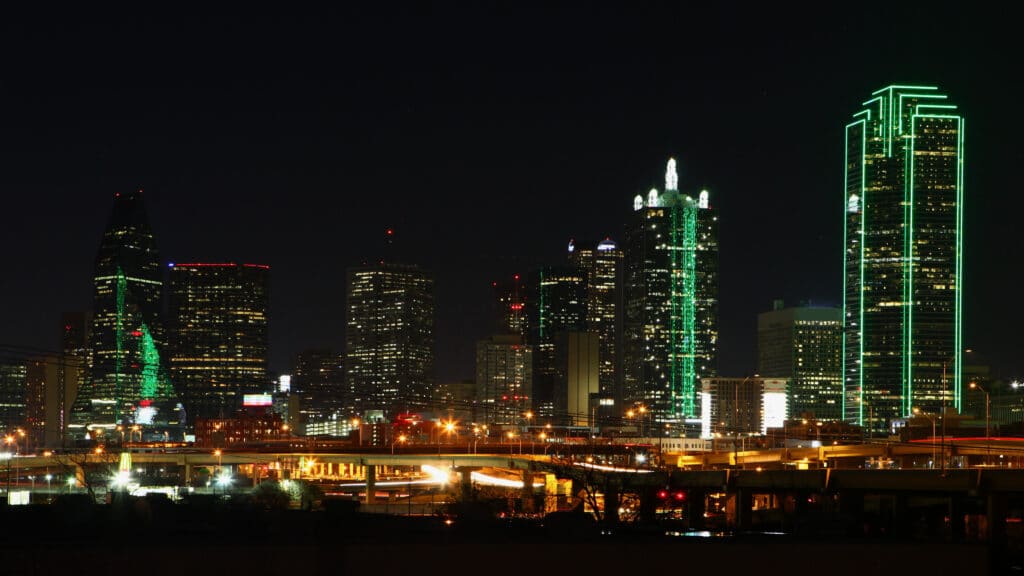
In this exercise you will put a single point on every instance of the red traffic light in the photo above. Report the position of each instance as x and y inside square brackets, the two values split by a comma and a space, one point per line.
[663, 494]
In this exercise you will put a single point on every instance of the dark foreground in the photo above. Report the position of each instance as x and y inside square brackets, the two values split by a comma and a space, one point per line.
[153, 538]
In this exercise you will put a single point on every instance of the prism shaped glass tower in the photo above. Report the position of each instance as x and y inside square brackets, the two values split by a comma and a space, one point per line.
[903, 264]
[128, 382]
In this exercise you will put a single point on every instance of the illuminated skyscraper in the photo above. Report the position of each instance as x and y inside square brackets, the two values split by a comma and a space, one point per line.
[805, 346]
[601, 266]
[560, 307]
[127, 380]
[903, 215]
[318, 378]
[389, 338]
[219, 334]
[671, 301]
[13, 389]
[504, 378]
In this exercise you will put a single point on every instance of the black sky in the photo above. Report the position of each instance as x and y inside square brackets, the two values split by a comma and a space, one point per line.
[487, 134]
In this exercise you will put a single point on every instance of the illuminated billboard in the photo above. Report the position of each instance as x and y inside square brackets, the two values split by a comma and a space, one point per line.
[257, 400]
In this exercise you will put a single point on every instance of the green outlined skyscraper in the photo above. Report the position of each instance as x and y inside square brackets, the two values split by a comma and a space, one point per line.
[903, 264]
[670, 324]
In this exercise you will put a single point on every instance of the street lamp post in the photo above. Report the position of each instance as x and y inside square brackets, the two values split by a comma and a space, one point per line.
[988, 436]
[399, 439]
[932, 418]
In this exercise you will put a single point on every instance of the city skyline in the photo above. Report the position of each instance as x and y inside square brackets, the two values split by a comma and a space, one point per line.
[286, 171]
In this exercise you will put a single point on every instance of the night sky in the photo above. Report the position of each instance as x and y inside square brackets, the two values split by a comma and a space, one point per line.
[487, 135]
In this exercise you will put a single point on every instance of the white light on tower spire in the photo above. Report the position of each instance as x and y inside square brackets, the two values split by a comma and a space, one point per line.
[671, 178]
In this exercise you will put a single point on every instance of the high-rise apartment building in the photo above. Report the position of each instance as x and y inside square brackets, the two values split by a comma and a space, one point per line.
[389, 337]
[127, 380]
[804, 345]
[903, 267]
[219, 335]
[671, 301]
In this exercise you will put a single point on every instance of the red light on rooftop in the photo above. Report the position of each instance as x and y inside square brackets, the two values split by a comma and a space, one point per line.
[390, 232]
[145, 402]
[516, 277]
[136, 333]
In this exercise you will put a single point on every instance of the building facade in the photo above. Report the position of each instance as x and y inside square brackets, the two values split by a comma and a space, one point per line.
[903, 265]
[671, 301]
[600, 264]
[504, 378]
[804, 345]
[560, 306]
[127, 380]
[389, 338]
[219, 332]
[318, 382]
[742, 406]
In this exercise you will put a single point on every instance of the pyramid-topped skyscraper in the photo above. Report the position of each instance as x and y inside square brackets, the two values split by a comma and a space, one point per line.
[127, 382]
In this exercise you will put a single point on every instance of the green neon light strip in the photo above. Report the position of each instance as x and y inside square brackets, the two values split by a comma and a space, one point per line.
[865, 111]
[846, 220]
[888, 123]
[150, 364]
[919, 107]
[958, 327]
[901, 86]
[910, 95]
[908, 276]
[689, 309]
[878, 98]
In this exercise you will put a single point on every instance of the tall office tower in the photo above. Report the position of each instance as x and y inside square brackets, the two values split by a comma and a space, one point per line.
[389, 337]
[805, 346]
[318, 381]
[671, 301]
[504, 378]
[601, 265]
[217, 314]
[903, 266]
[41, 374]
[127, 380]
[13, 383]
[512, 308]
[561, 306]
[73, 368]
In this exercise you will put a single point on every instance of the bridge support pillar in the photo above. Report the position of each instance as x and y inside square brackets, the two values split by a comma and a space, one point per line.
[466, 482]
[188, 474]
[696, 505]
[648, 504]
[371, 484]
[996, 510]
[957, 525]
[527, 492]
[612, 498]
[742, 502]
